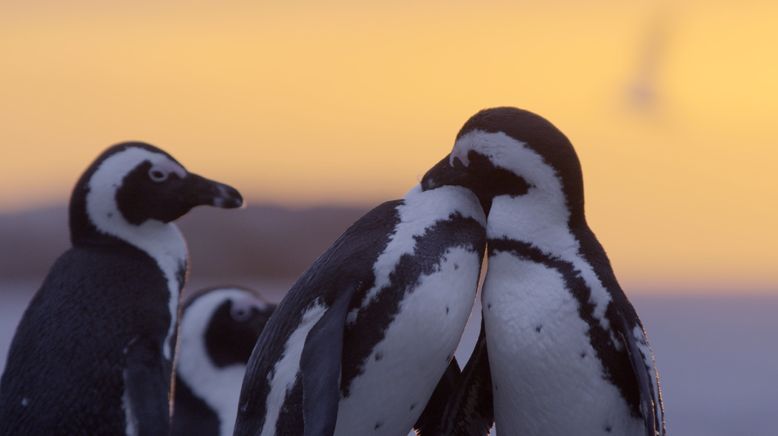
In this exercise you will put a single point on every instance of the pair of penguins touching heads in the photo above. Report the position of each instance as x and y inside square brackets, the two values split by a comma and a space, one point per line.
[363, 342]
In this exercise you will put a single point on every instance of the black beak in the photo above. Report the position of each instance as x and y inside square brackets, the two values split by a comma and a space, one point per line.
[443, 174]
[201, 191]
[480, 176]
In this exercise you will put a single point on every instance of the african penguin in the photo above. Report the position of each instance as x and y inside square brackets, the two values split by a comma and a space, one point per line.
[218, 330]
[93, 352]
[361, 340]
[566, 350]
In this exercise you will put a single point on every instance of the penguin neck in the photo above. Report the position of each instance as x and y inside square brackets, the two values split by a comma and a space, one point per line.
[101, 226]
[95, 221]
[537, 218]
[218, 387]
[418, 211]
[545, 224]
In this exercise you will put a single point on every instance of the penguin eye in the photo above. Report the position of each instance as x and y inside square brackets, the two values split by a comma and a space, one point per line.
[240, 314]
[157, 175]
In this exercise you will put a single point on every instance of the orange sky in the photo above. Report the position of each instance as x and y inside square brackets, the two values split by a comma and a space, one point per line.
[312, 102]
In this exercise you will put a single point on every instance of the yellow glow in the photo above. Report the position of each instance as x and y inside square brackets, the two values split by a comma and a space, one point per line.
[313, 102]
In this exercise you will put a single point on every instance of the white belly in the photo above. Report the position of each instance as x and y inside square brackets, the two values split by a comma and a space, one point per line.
[403, 369]
[547, 379]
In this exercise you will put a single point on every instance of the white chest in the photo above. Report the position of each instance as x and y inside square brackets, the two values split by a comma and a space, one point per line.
[404, 368]
[285, 372]
[165, 244]
[218, 387]
[547, 379]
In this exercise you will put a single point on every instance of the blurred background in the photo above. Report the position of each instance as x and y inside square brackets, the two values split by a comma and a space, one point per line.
[318, 111]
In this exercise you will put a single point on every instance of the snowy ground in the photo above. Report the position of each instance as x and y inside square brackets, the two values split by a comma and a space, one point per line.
[718, 358]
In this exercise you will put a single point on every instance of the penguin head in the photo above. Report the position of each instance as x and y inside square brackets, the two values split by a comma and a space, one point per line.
[506, 154]
[132, 184]
[224, 323]
[218, 330]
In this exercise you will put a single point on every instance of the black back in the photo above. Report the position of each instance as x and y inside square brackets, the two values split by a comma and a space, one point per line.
[347, 262]
[65, 366]
[346, 267]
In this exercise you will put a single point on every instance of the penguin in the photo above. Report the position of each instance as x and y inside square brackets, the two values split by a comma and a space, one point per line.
[362, 339]
[218, 329]
[94, 349]
[562, 349]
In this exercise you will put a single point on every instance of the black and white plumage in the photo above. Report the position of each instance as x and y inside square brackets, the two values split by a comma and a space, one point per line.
[218, 330]
[93, 352]
[360, 341]
[566, 349]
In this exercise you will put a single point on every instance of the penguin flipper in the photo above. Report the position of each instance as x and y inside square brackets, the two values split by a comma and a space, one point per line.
[320, 367]
[436, 406]
[473, 411]
[644, 370]
[470, 409]
[146, 388]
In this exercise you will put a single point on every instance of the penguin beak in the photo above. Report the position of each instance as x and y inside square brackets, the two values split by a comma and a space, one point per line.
[200, 191]
[443, 174]
[452, 171]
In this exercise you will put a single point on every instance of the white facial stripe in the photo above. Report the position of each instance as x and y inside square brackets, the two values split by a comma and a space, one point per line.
[422, 209]
[512, 155]
[246, 303]
[162, 241]
[218, 387]
[107, 179]
[285, 371]
[539, 217]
